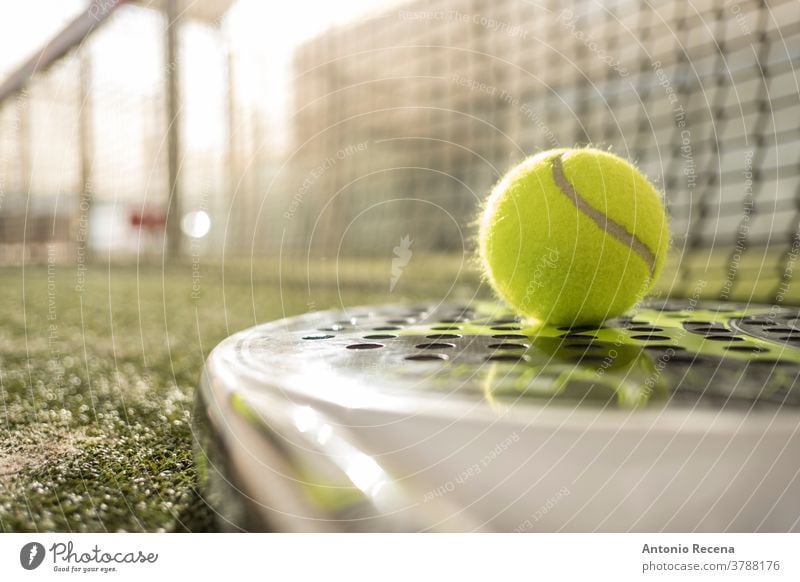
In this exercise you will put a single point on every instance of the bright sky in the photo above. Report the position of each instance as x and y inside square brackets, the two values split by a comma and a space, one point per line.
[257, 24]
[263, 33]
[259, 28]
[27, 25]
[262, 25]
[126, 59]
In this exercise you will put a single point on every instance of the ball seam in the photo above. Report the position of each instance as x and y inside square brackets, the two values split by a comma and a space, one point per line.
[603, 221]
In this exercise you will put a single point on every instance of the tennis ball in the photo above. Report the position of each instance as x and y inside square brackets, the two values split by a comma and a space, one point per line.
[573, 236]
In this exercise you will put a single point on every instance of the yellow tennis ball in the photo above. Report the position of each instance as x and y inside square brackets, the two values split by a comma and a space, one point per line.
[573, 236]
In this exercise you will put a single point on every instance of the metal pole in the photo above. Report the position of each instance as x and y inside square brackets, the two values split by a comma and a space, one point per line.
[172, 77]
[81, 226]
[233, 219]
[64, 41]
[25, 103]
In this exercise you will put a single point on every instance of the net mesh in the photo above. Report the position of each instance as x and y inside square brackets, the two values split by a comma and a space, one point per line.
[400, 121]
[702, 96]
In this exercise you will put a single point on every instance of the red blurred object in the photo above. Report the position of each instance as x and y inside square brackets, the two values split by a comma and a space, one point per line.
[151, 220]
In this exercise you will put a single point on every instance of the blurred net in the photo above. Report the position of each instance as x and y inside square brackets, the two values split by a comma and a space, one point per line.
[399, 123]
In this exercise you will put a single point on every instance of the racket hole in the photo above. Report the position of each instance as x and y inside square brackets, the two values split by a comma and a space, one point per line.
[664, 347]
[508, 346]
[443, 336]
[650, 338]
[435, 346]
[508, 358]
[706, 330]
[427, 358]
[364, 346]
[380, 336]
[318, 337]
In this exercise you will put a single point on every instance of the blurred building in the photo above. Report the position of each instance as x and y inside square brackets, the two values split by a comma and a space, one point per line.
[400, 122]
[85, 141]
[442, 97]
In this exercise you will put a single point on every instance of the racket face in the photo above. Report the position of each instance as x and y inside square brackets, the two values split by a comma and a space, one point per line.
[681, 417]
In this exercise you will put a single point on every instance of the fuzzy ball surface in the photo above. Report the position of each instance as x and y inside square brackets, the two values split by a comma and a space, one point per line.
[573, 236]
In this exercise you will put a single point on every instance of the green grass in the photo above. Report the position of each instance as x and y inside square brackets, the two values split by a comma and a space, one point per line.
[96, 386]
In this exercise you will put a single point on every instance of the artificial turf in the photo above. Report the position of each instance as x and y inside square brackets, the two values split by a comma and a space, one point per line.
[97, 378]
